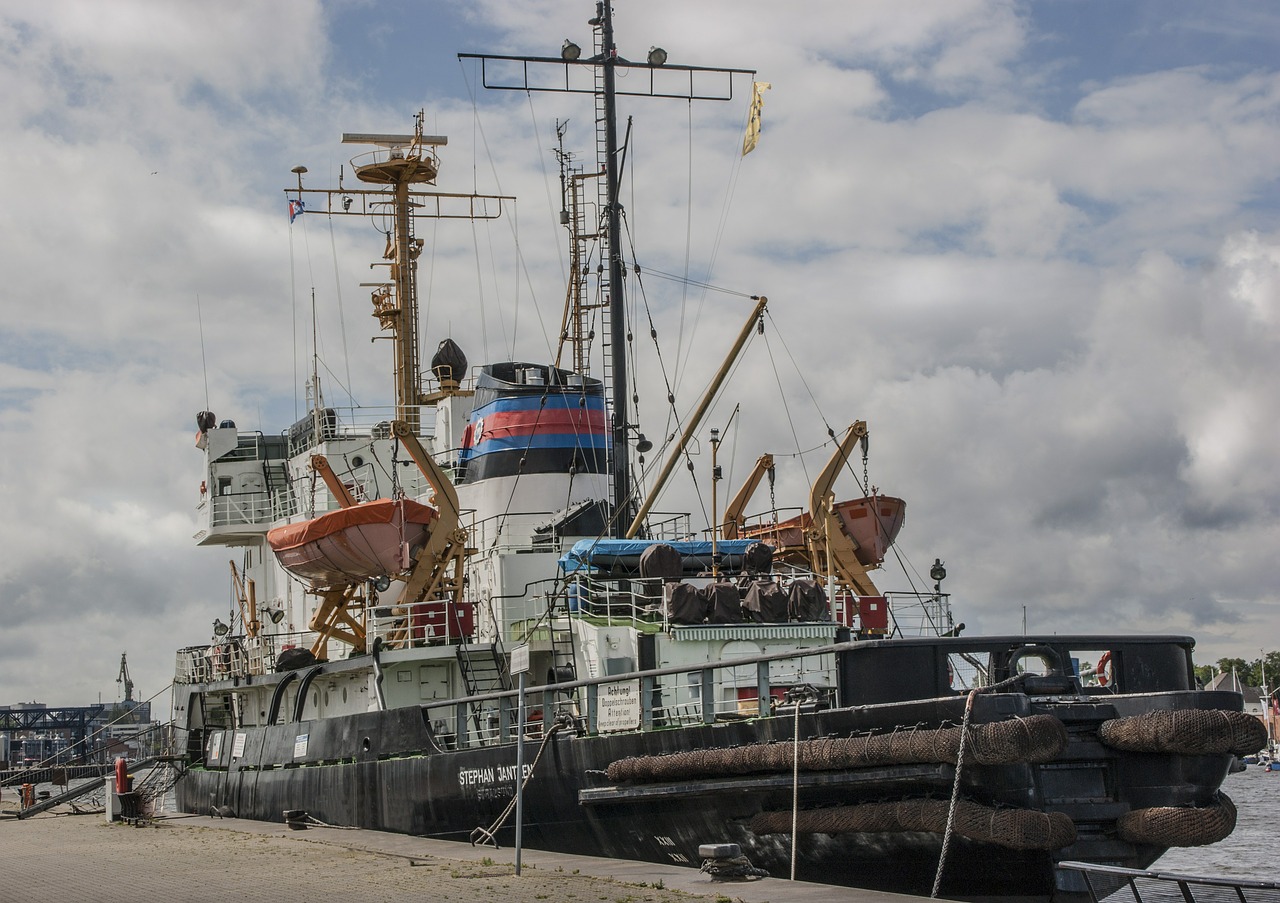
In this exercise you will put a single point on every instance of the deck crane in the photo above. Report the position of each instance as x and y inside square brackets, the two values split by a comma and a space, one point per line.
[817, 539]
[734, 519]
[832, 551]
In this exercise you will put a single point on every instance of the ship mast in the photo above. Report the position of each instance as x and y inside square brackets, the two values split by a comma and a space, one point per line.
[402, 161]
[686, 83]
[623, 504]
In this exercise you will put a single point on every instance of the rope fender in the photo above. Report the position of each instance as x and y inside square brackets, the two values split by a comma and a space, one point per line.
[1038, 738]
[1190, 732]
[1015, 829]
[1171, 826]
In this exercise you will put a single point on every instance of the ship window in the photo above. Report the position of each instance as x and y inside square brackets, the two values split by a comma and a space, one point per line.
[404, 677]
[224, 485]
[967, 670]
[1095, 668]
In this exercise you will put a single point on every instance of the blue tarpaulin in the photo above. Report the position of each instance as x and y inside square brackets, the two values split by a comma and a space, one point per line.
[614, 555]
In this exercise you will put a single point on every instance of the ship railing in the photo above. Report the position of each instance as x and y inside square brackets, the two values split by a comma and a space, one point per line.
[1121, 885]
[733, 689]
[667, 525]
[411, 151]
[429, 622]
[235, 509]
[920, 614]
[284, 503]
[230, 657]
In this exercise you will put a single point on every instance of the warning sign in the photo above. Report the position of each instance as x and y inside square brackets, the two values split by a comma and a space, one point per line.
[618, 707]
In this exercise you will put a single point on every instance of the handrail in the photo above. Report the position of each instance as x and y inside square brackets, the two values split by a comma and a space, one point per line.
[1112, 878]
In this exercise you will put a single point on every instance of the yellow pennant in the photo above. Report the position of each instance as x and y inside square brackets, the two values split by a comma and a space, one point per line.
[752, 138]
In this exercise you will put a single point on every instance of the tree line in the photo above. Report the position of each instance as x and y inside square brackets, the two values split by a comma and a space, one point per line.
[1261, 672]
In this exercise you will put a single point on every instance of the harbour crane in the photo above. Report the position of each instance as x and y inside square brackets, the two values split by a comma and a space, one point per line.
[124, 678]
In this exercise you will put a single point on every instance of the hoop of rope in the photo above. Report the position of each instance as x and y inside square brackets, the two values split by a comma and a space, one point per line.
[955, 784]
[488, 835]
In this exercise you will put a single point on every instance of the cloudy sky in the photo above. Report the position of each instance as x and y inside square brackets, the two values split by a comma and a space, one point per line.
[1035, 245]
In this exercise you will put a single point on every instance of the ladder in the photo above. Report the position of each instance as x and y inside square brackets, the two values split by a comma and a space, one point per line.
[602, 210]
[484, 670]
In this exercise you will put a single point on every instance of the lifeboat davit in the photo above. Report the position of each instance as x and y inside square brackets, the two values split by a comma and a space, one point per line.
[873, 522]
[363, 542]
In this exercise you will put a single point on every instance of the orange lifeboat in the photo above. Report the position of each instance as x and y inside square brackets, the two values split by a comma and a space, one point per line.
[873, 522]
[368, 540]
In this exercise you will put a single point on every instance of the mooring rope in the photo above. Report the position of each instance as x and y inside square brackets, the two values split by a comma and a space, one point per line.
[488, 835]
[955, 785]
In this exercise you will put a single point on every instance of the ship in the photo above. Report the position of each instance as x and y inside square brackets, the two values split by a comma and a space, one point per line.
[502, 636]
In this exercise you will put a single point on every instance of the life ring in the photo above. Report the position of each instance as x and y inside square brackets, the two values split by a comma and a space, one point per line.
[1103, 664]
[204, 488]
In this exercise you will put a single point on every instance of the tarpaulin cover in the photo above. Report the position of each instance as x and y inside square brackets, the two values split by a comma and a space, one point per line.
[613, 555]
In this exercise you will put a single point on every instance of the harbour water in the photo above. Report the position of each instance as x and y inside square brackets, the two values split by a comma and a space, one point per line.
[1247, 852]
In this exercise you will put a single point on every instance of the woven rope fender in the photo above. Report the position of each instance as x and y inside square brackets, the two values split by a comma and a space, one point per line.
[1016, 829]
[1169, 826]
[1191, 732]
[1039, 738]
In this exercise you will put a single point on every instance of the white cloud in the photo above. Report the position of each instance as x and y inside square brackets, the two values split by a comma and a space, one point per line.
[1061, 330]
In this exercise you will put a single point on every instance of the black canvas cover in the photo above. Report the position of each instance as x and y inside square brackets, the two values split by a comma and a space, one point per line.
[758, 558]
[766, 601]
[685, 605]
[724, 605]
[808, 601]
[661, 562]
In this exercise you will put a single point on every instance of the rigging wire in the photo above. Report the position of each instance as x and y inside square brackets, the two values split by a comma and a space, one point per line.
[342, 323]
[293, 289]
[688, 235]
[204, 362]
[478, 126]
[721, 225]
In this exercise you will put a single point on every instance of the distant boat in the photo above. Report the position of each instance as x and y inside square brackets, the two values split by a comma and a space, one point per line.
[366, 541]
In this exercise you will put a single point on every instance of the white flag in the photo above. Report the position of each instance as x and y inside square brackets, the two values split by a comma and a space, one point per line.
[752, 137]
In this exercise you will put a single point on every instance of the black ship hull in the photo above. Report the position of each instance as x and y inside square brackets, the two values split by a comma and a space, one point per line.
[390, 771]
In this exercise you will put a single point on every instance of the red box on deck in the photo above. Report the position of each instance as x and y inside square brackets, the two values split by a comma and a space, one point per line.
[873, 611]
[442, 621]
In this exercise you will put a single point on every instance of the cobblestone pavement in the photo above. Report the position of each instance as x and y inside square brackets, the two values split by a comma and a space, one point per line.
[194, 859]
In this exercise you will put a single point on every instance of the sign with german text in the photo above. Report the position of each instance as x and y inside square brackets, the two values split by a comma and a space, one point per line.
[618, 707]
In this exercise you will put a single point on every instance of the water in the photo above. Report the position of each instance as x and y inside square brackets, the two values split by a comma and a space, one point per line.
[1247, 852]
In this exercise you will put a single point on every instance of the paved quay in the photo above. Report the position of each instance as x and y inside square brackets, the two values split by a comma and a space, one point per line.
[63, 858]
